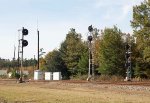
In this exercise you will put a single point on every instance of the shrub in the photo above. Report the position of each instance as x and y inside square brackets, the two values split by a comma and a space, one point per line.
[79, 77]
[3, 76]
[109, 78]
[15, 74]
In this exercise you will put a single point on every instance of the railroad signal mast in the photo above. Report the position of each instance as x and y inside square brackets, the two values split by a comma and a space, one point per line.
[128, 60]
[91, 54]
[24, 43]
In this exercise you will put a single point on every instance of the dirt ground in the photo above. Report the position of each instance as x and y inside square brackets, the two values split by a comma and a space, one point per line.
[70, 92]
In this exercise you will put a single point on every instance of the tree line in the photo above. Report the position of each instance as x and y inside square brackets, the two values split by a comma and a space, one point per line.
[10, 64]
[109, 49]
[71, 58]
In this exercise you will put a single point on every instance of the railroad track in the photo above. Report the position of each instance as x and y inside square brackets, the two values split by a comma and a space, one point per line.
[141, 83]
[144, 83]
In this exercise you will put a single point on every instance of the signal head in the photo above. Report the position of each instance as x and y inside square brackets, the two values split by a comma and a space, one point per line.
[25, 31]
[90, 28]
[24, 43]
[90, 38]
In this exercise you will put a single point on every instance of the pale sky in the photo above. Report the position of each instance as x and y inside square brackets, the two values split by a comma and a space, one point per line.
[55, 18]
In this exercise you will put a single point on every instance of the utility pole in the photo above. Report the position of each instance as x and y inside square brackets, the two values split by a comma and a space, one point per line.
[14, 53]
[38, 48]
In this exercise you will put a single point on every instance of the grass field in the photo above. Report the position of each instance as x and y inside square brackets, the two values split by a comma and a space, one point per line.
[59, 92]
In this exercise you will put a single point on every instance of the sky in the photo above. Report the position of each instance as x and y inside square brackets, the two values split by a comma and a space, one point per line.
[54, 18]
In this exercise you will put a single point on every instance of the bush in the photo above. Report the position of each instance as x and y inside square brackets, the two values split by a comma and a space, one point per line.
[25, 76]
[15, 74]
[3, 76]
[79, 77]
[109, 78]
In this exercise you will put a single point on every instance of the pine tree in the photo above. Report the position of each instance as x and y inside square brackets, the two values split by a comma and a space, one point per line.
[141, 26]
[71, 50]
[111, 54]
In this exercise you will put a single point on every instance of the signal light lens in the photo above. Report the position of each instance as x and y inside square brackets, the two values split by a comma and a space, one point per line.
[90, 38]
[25, 32]
[24, 43]
[90, 28]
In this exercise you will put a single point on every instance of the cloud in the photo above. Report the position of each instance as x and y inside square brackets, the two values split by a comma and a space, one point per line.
[104, 3]
[127, 8]
[118, 10]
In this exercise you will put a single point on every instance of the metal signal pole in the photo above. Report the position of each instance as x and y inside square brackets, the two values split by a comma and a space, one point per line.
[23, 44]
[21, 58]
[90, 38]
[128, 58]
[19, 48]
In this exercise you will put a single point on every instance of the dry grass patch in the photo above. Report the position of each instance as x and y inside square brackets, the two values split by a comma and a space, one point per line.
[57, 92]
